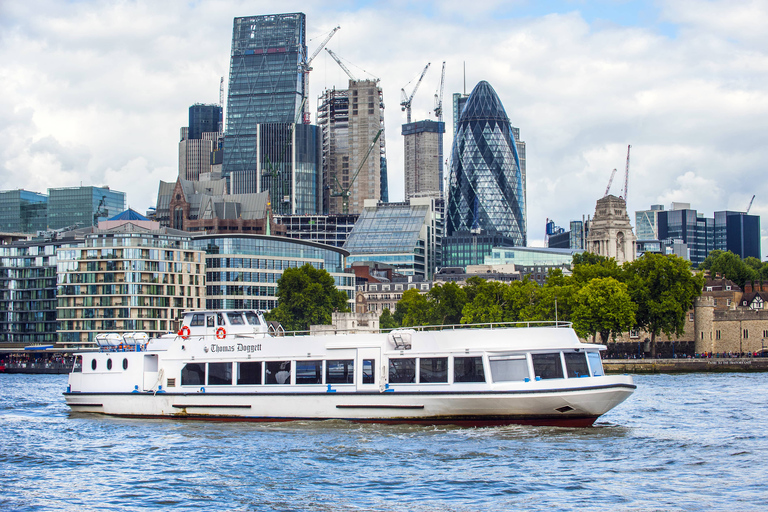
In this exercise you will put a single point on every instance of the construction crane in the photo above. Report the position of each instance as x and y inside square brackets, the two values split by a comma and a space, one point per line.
[439, 98]
[405, 101]
[341, 64]
[344, 192]
[610, 182]
[306, 68]
[221, 92]
[626, 175]
[750, 205]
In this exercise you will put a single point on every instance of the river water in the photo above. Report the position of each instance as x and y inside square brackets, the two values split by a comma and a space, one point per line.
[683, 442]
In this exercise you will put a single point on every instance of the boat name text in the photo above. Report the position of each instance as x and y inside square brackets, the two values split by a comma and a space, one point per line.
[236, 348]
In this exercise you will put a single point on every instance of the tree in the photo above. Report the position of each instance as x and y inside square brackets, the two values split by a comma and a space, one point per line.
[412, 309]
[731, 266]
[520, 300]
[604, 306]
[664, 289]
[387, 321]
[487, 305]
[446, 303]
[306, 296]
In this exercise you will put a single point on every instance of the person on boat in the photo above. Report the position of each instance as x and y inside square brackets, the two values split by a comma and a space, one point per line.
[284, 375]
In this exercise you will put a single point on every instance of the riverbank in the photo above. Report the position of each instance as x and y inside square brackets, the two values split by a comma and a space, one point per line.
[708, 365]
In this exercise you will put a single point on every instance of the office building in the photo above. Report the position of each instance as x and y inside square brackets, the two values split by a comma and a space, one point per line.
[464, 248]
[78, 207]
[423, 158]
[738, 232]
[487, 188]
[243, 270]
[199, 140]
[22, 211]
[405, 235]
[130, 274]
[323, 229]
[610, 232]
[350, 120]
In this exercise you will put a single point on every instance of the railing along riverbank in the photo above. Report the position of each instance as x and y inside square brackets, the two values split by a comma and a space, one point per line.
[710, 365]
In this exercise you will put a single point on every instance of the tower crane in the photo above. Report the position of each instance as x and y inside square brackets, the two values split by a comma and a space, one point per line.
[341, 64]
[306, 68]
[405, 101]
[626, 175]
[610, 181]
[343, 192]
[750, 205]
[439, 99]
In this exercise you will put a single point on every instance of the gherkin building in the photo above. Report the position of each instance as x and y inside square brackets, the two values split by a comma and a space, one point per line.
[487, 191]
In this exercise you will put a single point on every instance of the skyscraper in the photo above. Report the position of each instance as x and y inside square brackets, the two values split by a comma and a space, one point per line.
[350, 120]
[738, 232]
[423, 159]
[264, 147]
[198, 140]
[487, 186]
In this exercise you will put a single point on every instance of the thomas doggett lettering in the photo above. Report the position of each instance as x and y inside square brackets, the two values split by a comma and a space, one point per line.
[248, 348]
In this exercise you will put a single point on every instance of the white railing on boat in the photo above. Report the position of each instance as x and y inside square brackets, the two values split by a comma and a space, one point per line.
[443, 327]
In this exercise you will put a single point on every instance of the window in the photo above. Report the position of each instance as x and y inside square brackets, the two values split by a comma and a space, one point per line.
[209, 321]
[717, 335]
[339, 372]
[595, 364]
[576, 364]
[235, 319]
[369, 371]
[509, 368]
[125, 364]
[197, 320]
[746, 334]
[93, 364]
[249, 373]
[309, 372]
[690, 317]
[433, 369]
[193, 374]
[728, 302]
[219, 374]
[278, 372]
[402, 370]
[765, 334]
[547, 366]
[634, 334]
[468, 369]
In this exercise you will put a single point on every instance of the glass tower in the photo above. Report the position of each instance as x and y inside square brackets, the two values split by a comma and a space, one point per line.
[265, 82]
[79, 207]
[22, 211]
[487, 187]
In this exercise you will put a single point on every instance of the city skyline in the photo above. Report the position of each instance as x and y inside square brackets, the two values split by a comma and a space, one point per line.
[95, 92]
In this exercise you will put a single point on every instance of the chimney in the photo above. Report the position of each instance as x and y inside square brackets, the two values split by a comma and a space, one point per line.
[748, 287]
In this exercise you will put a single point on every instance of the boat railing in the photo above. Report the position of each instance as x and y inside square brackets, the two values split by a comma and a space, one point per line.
[441, 327]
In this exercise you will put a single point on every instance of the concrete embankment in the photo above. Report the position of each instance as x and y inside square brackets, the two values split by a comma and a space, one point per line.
[744, 364]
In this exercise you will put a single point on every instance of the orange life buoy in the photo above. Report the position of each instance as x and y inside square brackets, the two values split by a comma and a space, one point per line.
[221, 333]
[184, 332]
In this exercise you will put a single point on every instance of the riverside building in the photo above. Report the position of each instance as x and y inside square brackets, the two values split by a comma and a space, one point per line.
[130, 275]
[242, 270]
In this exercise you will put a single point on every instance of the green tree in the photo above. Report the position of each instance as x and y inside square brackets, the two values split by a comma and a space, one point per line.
[446, 302]
[603, 306]
[487, 305]
[412, 309]
[731, 266]
[306, 296]
[387, 321]
[664, 289]
[520, 300]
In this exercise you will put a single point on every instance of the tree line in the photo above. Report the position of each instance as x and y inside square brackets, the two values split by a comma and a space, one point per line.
[600, 297]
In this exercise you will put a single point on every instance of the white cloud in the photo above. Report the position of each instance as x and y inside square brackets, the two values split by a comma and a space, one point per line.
[97, 91]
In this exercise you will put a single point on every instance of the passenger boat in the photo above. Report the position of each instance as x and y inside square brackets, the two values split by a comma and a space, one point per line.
[231, 365]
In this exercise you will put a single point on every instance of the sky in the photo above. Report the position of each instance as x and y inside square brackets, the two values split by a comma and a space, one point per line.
[95, 92]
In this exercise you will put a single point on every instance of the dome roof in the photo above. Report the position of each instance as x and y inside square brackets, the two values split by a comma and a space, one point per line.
[483, 103]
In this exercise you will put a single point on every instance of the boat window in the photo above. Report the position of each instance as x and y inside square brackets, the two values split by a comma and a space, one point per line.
[78, 366]
[468, 369]
[219, 374]
[125, 364]
[219, 319]
[210, 321]
[278, 372]
[340, 372]
[309, 372]
[193, 374]
[433, 369]
[252, 318]
[109, 364]
[198, 319]
[249, 373]
[235, 319]
[402, 370]
[93, 364]
[595, 364]
[509, 368]
[576, 364]
[547, 366]
[369, 371]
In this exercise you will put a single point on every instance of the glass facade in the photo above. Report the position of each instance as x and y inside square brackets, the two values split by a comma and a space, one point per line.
[687, 225]
[28, 293]
[738, 232]
[464, 248]
[243, 270]
[531, 256]
[22, 211]
[265, 82]
[487, 188]
[82, 206]
[204, 119]
[404, 235]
